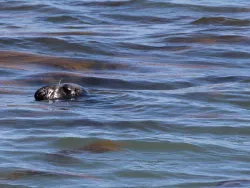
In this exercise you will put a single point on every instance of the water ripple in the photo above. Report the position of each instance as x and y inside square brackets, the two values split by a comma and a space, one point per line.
[168, 85]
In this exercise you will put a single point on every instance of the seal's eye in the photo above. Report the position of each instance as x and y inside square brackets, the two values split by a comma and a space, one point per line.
[67, 89]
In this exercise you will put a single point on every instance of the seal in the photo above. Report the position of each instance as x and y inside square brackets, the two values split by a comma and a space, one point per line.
[60, 91]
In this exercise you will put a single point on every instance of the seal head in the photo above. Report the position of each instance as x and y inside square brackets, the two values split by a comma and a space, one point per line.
[61, 91]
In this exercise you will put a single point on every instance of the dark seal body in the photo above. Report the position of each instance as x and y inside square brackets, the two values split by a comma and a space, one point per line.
[61, 91]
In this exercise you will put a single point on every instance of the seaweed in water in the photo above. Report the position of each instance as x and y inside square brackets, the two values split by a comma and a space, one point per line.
[100, 146]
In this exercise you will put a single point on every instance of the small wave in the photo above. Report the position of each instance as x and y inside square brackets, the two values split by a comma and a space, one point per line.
[234, 183]
[149, 47]
[62, 45]
[58, 43]
[221, 21]
[22, 6]
[70, 33]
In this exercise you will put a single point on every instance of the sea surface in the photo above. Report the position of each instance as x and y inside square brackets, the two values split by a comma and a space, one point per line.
[169, 93]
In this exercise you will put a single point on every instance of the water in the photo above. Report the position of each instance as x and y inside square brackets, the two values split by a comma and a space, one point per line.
[169, 93]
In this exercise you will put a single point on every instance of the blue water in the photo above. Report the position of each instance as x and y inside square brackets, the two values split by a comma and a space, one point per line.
[168, 85]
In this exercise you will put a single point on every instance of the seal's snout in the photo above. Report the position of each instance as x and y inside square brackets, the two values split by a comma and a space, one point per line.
[62, 91]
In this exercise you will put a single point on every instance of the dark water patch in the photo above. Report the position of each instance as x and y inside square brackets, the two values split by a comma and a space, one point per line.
[222, 79]
[10, 40]
[63, 19]
[133, 85]
[19, 6]
[8, 185]
[23, 61]
[11, 91]
[74, 26]
[240, 100]
[198, 184]
[138, 19]
[175, 48]
[103, 146]
[13, 27]
[222, 21]
[222, 9]
[134, 174]
[187, 6]
[208, 8]
[105, 3]
[7, 72]
[100, 82]
[233, 55]
[210, 39]
[19, 34]
[144, 4]
[226, 130]
[163, 146]
[61, 159]
[74, 19]
[23, 174]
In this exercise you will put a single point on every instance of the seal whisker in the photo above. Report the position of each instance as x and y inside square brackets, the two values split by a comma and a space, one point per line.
[60, 81]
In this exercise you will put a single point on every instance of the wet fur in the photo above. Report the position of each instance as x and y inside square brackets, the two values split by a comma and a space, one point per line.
[60, 91]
